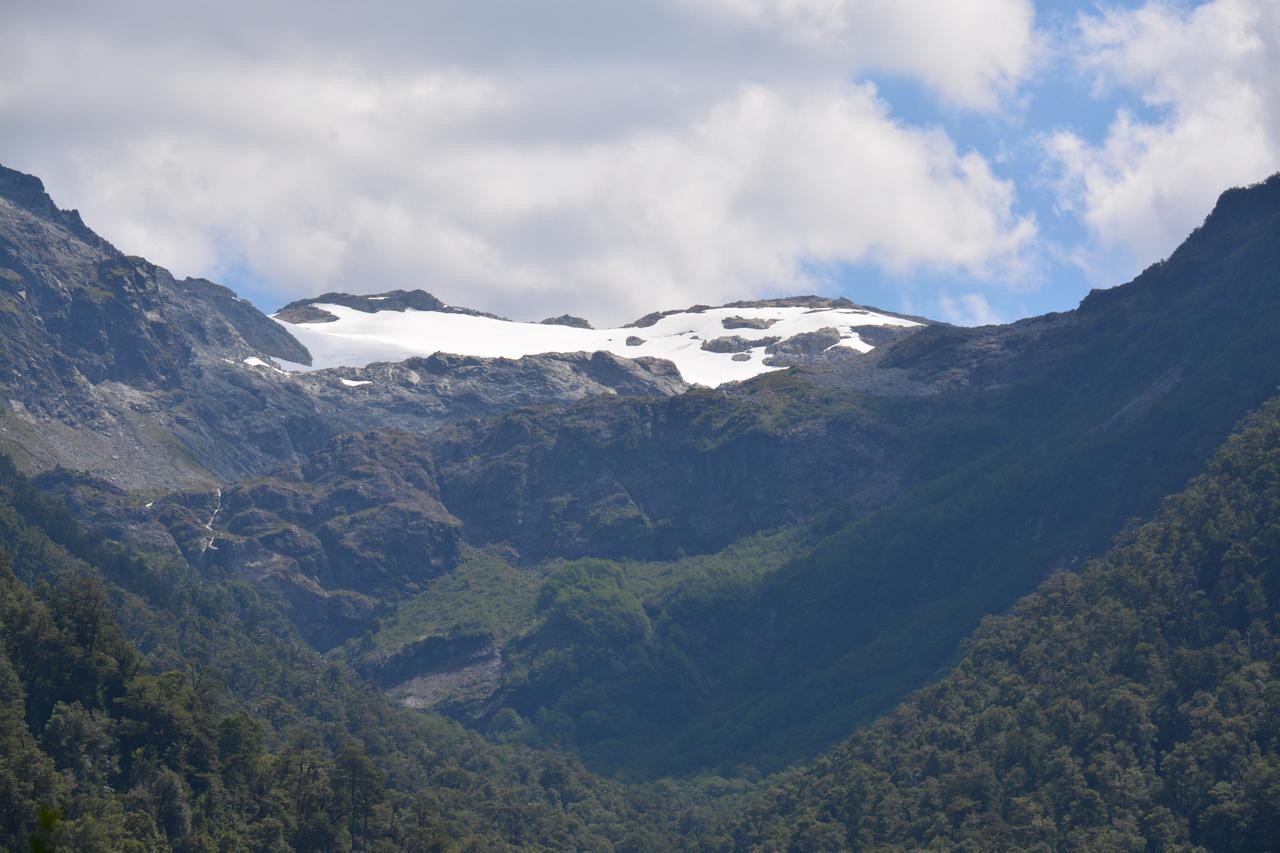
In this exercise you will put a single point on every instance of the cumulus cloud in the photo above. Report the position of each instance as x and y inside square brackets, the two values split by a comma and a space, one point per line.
[971, 52]
[1210, 76]
[659, 154]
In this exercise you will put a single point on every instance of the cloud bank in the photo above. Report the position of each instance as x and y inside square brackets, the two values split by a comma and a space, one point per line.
[526, 158]
[611, 158]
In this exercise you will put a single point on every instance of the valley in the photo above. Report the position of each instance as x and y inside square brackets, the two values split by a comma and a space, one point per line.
[753, 576]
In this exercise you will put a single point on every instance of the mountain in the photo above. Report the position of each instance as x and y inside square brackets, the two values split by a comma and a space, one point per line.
[934, 481]
[203, 403]
[574, 599]
[112, 366]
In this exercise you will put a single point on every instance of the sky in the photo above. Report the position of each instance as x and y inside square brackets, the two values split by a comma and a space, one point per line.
[973, 161]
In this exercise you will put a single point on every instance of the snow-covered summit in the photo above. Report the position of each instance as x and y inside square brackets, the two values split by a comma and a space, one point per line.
[709, 346]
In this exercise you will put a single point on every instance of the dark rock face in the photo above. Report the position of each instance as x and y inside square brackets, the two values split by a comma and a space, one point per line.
[27, 192]
[879, 336]
[649, 319]
[111, 366]
[633, 341]
[652, 479]
[566, 320]
[423, 394]
[422, 657]
[363, 514]
[814, 349]
[357, 525]
[809, 301]
[71, 315]
[216, 312]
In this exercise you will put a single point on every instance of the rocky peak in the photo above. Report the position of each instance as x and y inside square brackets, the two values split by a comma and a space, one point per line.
[27, 192]
[219, 317]
[566, 320]
[308, 310]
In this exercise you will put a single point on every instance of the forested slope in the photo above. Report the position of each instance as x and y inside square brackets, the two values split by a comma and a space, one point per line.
[1134, 704]
[145, 707]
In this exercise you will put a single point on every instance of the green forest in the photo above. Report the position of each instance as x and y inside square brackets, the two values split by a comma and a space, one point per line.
[215, 728]
[1132, 705]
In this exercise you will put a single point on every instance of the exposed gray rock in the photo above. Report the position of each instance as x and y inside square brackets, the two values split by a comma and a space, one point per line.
[809, 349]
[651, 318]
[806, 343]
[818, 303]
[879, 336]
[392, 300]
[215, 310]
[809, 301]
[747, 322]
[423, 394]
[566, 320]
[466, 686]
[305, 314]
[423, 656]
[736, 343]
[27, 192]
[633, 341]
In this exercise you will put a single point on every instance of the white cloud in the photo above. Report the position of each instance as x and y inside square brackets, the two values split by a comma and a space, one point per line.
[968, 309]
[518, 171]
[1211, 76]
[970, 52]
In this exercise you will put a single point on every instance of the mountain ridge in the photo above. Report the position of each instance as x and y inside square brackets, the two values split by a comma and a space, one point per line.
[111, 365]
[579, 557]
[709, 345]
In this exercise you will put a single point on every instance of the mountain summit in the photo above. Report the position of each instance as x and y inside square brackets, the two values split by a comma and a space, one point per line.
[111, 365]
[709, 346]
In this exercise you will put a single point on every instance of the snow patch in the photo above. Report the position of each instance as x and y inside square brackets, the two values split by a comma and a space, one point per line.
[355, 383]
[359, 338]
[254, 361]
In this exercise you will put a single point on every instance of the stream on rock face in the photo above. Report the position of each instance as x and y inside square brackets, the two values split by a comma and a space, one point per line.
[217, 508]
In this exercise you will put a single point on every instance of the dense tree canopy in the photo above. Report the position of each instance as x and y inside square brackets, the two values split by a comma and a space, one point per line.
[1132, 705]
[143, 707]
